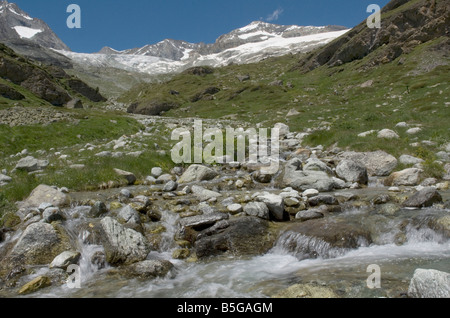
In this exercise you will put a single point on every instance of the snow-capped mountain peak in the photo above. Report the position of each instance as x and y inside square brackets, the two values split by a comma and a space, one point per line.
[16, 25]
[248, 44]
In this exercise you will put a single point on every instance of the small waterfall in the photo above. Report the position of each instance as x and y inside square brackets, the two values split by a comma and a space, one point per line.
[169, 221]
[306, 247]
[92, 256]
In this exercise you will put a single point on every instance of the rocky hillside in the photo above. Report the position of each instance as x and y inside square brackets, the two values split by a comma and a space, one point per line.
[29, 36]
[23, 80]
[405, 25]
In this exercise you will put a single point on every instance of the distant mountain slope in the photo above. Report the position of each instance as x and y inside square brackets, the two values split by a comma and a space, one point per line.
[23, 80]
[405, 25]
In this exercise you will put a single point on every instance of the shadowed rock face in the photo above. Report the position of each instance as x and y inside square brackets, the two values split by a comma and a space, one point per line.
[402, 30]
[153, 108]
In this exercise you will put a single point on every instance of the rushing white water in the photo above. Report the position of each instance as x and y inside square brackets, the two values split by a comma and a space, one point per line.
[343, 270]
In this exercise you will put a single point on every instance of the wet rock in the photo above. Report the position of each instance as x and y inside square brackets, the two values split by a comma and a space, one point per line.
[291, 202]
[306, 291]
[128, 176]
[323, 199]
[275, 204]
[170, 186]
[310, 193]
[309, 215]
[53, 215]
[407, 177]
[97, 210]
[128, 215]
[234, 208]
[262, 177]
[378, 163]
[39, 244]
[323, 238]
[149, 269]
[181, 253]
[381, 199]
[200, 222]
[257, 209]
[203, 194]
[424, 198]
[98, 259]
[44, 193]
[240, 236]
[30, 164]
[122, 245]
[352, 171]
[65, 259]
[197, 173]
[36, 284]
[125, 193]
[429, 283]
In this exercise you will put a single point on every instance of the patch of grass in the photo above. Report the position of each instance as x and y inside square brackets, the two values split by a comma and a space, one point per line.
[92, 127]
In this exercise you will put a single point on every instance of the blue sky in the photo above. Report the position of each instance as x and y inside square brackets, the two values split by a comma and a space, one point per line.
[135, 23]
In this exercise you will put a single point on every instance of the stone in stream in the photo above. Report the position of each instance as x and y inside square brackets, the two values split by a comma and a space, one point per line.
[30, 164]
[352, 171]
[197, 173]
[203, 194]
[125, 193]
[323, 238]
[52, 214]
[323, 199]
[275, 204]
[98, 209]
[235, 208]
[200, 222]
[429, 283]
[44, 193]
[407, 177]
[65, 259]
[257, 209]
[309, 215]
[306, 291]
[128, 215]
[423, 198]
[39, 244]
[238, 236]
[170, 186]
[122, 245]
[34, 285]
[148, 269]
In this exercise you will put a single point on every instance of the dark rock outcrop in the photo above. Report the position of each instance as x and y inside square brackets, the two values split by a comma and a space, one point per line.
[411, 24]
